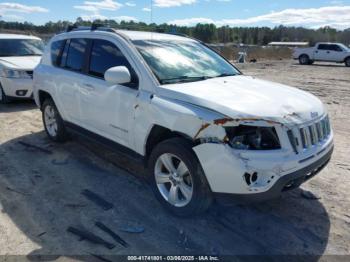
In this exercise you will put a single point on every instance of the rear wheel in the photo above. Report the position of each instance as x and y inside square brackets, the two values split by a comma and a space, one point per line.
[304, 60]
[177, 178]
[347, 62]
[3, 98]
[53, 123]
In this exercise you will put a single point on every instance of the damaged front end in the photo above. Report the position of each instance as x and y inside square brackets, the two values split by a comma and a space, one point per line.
[248, 155]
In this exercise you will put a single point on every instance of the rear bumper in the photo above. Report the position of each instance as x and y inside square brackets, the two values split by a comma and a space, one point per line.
[285, 183]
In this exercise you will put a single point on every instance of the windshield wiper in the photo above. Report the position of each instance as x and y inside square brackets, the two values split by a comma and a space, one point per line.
[224, 75]
[184, 79]
[31, 55]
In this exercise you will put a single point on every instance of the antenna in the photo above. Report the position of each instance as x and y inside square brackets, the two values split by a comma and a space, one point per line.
[151, 18]
[151, 11]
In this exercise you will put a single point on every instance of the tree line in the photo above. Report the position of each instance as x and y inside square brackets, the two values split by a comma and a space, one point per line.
[208, 33]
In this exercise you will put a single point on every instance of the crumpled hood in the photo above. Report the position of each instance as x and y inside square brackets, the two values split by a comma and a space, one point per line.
[247, 97]
[20, 62]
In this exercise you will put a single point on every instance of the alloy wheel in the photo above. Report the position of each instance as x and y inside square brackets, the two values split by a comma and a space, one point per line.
[174, 180]
[50, 120]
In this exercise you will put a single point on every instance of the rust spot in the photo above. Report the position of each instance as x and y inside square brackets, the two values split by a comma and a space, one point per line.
[222, 121]
[201, 129]
[258, 119]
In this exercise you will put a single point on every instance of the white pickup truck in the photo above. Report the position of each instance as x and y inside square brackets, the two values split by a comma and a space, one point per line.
[329, 52]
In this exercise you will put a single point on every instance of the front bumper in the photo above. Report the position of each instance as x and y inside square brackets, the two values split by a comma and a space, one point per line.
[285, 183]
[260, 173]
[17, 87]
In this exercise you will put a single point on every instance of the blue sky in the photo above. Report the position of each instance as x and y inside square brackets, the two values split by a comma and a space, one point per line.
[310, 13]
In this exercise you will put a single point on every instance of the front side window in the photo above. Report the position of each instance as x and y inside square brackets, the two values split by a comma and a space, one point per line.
[183, 61]
[76, 54]
[336, 48]
[21, 47]
[105, 55]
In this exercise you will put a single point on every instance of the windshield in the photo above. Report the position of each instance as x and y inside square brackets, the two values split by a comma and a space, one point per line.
[21, 47]
[183, 61]
[345, 48]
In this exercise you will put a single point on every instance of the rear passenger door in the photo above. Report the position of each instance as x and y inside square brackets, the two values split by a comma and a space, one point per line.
[70, 66]
[107, 109]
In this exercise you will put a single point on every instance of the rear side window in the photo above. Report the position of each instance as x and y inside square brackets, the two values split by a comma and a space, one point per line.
[56, 51]
[76, 54]
[323, 47]
[105, 55]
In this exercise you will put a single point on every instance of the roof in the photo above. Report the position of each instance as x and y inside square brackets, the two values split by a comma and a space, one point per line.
[328, 43]
[289, 43]
[139, 35]
[15, 36]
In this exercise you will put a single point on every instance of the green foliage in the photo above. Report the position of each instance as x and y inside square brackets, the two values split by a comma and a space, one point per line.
[208, 33]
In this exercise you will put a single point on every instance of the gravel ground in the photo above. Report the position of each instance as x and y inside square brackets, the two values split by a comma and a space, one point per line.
[40, 192]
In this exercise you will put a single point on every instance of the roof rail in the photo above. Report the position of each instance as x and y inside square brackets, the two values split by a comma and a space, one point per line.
[93, 27]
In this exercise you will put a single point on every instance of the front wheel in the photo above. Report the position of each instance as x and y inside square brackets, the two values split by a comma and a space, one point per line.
[347, 62]
[53, 123]
[178, 179]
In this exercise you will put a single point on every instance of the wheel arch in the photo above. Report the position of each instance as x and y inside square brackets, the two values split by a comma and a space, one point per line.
[42, 96]
[303, 54]
[159, 134]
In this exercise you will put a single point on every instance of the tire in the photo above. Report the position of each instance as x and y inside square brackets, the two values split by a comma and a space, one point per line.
[3, 98]
[304, 60]
[53, 123]
[188, 184]
[347, 62]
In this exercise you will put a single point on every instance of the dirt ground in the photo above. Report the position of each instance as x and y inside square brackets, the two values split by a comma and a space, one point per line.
[40, 192]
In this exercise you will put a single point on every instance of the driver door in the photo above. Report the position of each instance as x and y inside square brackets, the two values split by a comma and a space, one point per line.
[107, 109]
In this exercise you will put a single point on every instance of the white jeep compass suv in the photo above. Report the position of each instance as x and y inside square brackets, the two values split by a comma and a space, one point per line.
[19, 55]
[202, 128]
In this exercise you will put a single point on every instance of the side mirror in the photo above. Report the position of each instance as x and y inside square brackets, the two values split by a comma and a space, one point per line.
[118, 75]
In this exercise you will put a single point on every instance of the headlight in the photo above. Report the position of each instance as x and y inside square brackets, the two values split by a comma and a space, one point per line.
[10, 73]
[253, 138]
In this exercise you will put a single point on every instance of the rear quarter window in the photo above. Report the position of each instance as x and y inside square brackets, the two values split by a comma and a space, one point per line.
[56, 51]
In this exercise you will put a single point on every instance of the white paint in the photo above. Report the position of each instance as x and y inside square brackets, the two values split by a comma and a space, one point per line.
[127, 116]
[247, 97]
